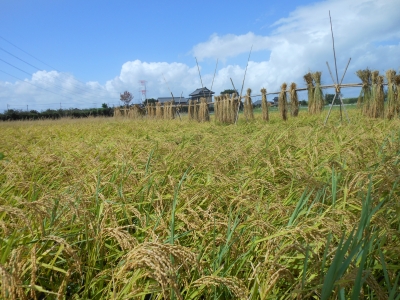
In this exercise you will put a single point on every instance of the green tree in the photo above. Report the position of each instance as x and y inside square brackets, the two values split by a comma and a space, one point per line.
[229, 92]
[150, 101]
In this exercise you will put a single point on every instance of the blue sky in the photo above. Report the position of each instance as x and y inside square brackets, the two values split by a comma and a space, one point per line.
[90, 51]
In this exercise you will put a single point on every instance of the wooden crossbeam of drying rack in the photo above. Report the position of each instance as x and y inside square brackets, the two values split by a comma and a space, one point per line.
[326, 86]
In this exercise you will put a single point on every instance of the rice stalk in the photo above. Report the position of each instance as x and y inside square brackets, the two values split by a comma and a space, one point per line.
[282, 102]
[294, 100]
[264, 105]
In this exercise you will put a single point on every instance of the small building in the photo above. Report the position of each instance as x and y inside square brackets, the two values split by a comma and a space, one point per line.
[178, 100]
[258, 103]
[202, 93]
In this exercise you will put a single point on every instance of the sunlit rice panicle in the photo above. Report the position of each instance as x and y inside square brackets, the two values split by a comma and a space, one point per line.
[235, 286]
[155, 259]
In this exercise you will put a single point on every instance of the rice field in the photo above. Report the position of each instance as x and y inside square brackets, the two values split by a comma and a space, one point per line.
[169, 209]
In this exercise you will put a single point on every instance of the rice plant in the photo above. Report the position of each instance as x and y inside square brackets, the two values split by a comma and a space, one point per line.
[125, 208]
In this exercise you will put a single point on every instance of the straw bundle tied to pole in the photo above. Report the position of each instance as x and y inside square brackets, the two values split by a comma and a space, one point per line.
[310, 89]
[282, 102]
[196, 110]
[191, 110]
[225, 107]
[365, 98]
[173, 110]
[318, 94]
[248, 106]
[264, 105]
[397, 94]
[204, 115]
[391, 96]
[233, 106]
[217, 108]
[159, 111]
[294, 100]
[117, 112]
[378, 104]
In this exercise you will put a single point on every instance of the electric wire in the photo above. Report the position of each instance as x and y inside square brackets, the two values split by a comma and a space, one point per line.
[57, 85]
[55, 69]
[75, 85]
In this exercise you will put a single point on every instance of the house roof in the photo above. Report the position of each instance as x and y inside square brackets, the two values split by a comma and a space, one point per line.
[201, 92]
[259, 102]
[178, 100]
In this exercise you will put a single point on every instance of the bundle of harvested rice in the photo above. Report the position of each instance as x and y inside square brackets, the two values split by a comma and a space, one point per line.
[264, 105]
[378, 96]
[310, 89]
[391, 96]
[159, 111]
[191, 110]
[248, 106]
[282, 102]
[117, 112]
[216, 103]
[204, 115]
[397, 94]
[225, 109]
[234, 103]
[365, 97]
[318, 102]
[294, 100]
[173, 109]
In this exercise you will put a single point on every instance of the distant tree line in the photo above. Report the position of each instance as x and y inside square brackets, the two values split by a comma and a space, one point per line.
[15, 115]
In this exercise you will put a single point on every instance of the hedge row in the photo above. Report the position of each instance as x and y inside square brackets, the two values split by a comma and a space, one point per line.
[15, 115]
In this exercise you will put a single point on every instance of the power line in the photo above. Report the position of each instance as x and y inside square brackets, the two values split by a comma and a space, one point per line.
[61, 87]
[33, 84]
[76, 86]
[37, 58]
